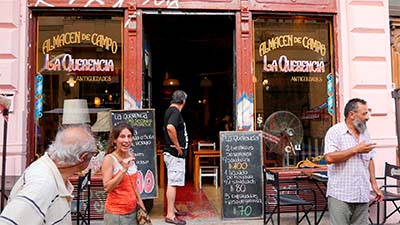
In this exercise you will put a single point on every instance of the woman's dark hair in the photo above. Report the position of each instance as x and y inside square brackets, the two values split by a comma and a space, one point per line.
[115, 133]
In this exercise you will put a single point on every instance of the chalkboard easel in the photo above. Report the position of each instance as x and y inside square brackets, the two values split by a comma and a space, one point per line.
[144, 147]
[242, 174]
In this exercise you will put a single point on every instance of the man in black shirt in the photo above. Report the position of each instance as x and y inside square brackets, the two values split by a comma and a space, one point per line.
[175, 151]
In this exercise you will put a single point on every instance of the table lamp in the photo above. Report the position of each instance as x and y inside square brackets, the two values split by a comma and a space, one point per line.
[103, 122]
[75, 112]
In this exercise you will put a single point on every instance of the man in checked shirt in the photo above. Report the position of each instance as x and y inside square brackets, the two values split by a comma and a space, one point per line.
[351, 170]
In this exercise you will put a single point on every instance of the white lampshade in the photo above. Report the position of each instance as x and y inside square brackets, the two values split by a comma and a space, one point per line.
[103, 122]
[75, 111]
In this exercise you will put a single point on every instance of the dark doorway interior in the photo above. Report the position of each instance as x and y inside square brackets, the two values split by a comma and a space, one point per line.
[197, 50]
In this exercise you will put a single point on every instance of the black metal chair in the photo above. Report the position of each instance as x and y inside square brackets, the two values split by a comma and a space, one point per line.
[281, 196]
[390, 193]
[81, 206]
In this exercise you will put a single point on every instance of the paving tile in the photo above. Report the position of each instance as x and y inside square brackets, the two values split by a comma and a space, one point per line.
[205, 209]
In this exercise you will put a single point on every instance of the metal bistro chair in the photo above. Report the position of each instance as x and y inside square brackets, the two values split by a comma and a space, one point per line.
[81, 206]
[390, 193]
[207, 169]
[281, 196]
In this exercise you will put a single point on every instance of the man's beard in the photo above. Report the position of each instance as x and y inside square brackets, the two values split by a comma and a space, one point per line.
[360, 125]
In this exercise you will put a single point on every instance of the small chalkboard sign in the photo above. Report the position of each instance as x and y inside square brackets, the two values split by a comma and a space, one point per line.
[241, 169]
[144, 147]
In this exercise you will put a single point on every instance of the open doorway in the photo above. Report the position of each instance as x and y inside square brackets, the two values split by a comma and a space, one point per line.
[194, 53]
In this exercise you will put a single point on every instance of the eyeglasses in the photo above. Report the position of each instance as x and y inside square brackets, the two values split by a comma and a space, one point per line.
[94, 153]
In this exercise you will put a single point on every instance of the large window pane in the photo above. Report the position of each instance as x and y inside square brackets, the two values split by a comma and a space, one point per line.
[78, 57]
[294, 74]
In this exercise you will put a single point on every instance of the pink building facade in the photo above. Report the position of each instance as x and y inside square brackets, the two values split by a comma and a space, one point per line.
[14, 52]
[360, 51]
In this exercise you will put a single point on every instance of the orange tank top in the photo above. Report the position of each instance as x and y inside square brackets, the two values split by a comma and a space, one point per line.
[122, 199]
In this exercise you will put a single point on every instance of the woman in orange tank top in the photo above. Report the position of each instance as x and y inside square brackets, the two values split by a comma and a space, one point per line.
[119, 178]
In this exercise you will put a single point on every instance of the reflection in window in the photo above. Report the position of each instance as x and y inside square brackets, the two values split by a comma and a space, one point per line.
[78, 57]
[293, 67]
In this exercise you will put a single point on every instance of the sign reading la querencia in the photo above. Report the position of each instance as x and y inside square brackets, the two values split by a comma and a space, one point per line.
[66, 62]
[284, 63]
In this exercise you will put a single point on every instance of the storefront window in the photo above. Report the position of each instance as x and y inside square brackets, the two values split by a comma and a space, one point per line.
[79, 66]
[294, 85]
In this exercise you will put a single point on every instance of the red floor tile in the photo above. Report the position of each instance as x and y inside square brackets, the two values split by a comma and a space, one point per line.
[194, 203]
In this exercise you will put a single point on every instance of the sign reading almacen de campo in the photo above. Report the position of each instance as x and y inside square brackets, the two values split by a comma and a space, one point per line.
[285, 64]
[66, 62]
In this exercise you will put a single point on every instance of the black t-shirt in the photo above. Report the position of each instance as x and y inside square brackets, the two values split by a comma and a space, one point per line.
[173, 116]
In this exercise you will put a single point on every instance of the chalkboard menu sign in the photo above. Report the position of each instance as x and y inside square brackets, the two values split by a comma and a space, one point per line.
[241, 164]
[144, 147]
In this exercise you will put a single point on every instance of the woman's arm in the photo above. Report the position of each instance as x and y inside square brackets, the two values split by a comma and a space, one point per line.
[139, 199]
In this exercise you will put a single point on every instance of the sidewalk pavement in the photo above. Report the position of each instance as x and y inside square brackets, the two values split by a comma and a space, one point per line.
[208, 210]
[286, 219]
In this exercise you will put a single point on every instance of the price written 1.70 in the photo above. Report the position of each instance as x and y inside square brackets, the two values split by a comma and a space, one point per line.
[242, 210]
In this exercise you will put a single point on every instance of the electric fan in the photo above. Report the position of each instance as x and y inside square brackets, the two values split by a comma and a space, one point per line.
[283, 133]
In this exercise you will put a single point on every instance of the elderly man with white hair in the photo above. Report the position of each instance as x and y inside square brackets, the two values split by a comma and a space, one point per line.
[43, 193]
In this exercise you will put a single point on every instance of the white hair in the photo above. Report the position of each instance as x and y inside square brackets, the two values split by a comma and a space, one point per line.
[70, 143]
